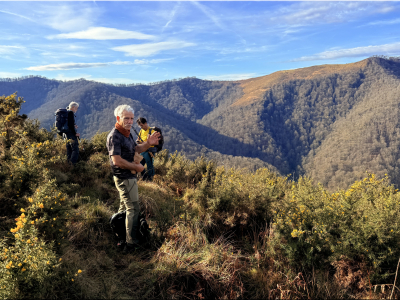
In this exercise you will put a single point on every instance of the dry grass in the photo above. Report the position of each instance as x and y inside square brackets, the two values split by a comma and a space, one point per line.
[255, 88]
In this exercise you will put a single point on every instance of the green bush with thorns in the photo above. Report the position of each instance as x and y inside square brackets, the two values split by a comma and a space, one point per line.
[216, 232]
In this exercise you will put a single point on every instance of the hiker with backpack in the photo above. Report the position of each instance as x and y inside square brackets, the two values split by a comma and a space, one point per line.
[66, 127]
[148, 156]
[121, 149]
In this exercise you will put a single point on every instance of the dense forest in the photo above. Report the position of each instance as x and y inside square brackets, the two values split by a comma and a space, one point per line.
[330, 122]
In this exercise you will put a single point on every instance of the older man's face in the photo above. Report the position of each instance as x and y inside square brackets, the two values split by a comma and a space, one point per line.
[126, 120]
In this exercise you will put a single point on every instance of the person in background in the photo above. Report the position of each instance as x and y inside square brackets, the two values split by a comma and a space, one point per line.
[148, 155]
[121, 149]
[71, 135]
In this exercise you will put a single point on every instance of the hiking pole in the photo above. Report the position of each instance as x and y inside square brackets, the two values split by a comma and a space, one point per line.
[137, 134]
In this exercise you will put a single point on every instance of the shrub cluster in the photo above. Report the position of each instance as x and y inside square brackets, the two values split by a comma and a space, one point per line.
[217, 232]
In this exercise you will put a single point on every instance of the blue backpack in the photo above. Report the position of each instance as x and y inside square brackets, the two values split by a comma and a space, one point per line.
[61, 121]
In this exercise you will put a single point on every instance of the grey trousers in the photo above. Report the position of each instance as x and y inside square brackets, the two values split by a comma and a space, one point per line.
[129, 201]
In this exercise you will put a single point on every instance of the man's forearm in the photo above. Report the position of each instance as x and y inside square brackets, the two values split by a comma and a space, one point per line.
[124, 164]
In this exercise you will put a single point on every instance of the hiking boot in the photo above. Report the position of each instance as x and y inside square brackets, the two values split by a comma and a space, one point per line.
[131, 248]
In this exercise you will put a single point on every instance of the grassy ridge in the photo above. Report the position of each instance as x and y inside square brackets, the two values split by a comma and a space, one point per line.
[217, 233]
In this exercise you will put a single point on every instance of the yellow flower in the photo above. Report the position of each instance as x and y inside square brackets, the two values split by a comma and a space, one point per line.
[19, 264]
[32, 222]
[72, 279]
[8, 266]
[28, 241]
[41, 205]
[23, 270]
[60, 259]
[30, 199]
[79, 271]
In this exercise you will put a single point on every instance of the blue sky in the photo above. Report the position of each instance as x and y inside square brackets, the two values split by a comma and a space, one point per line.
[151, 41]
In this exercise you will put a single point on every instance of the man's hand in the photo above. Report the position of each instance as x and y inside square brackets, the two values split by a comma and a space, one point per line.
[78, 134]
[153, 138]
[138, 168]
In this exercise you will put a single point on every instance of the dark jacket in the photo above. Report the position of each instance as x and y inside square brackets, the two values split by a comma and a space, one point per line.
[71, 122]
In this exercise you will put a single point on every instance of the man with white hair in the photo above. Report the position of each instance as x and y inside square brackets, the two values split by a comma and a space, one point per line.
[121, 148]
[71, 134]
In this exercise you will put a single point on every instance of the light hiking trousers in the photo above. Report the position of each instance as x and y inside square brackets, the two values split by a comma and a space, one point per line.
[129, 201]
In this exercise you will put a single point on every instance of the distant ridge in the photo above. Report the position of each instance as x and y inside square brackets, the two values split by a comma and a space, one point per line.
[330, 122]
[254, 88]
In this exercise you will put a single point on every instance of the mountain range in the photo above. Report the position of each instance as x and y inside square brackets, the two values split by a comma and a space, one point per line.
[333, 123]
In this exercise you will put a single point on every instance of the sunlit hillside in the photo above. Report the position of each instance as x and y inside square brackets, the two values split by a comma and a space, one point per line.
[330, 122]
[217, 233]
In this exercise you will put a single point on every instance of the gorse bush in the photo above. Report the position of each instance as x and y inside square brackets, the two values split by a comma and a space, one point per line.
[361, 223]
[236, 198]
[217, 232]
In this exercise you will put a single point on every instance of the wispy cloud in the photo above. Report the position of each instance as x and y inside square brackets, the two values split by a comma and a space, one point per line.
[66, 66]
[387, 22]
[172, 15]
[143, 50]
[387, 49]
[230, 77]
[103, 33]
[71, 66]
[68, 17]
[11, 49]
[150, 61]
[209, 13]
[17, 15]
[307, 13]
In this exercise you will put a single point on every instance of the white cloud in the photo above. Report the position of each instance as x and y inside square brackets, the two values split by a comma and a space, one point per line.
[230, 77]
[103, 33]
[143, 50]
[66, 66]
[70, 66]
[387, 49]
[11, 49]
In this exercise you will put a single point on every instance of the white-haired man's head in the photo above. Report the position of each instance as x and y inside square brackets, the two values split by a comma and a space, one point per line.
[73, 106]
[120, 109]
[124, 115]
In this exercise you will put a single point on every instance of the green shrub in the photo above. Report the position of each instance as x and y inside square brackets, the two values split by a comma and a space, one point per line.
[236, 197]
[361, 223]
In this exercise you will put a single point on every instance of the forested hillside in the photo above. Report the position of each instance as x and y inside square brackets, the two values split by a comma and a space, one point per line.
[330, 122]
